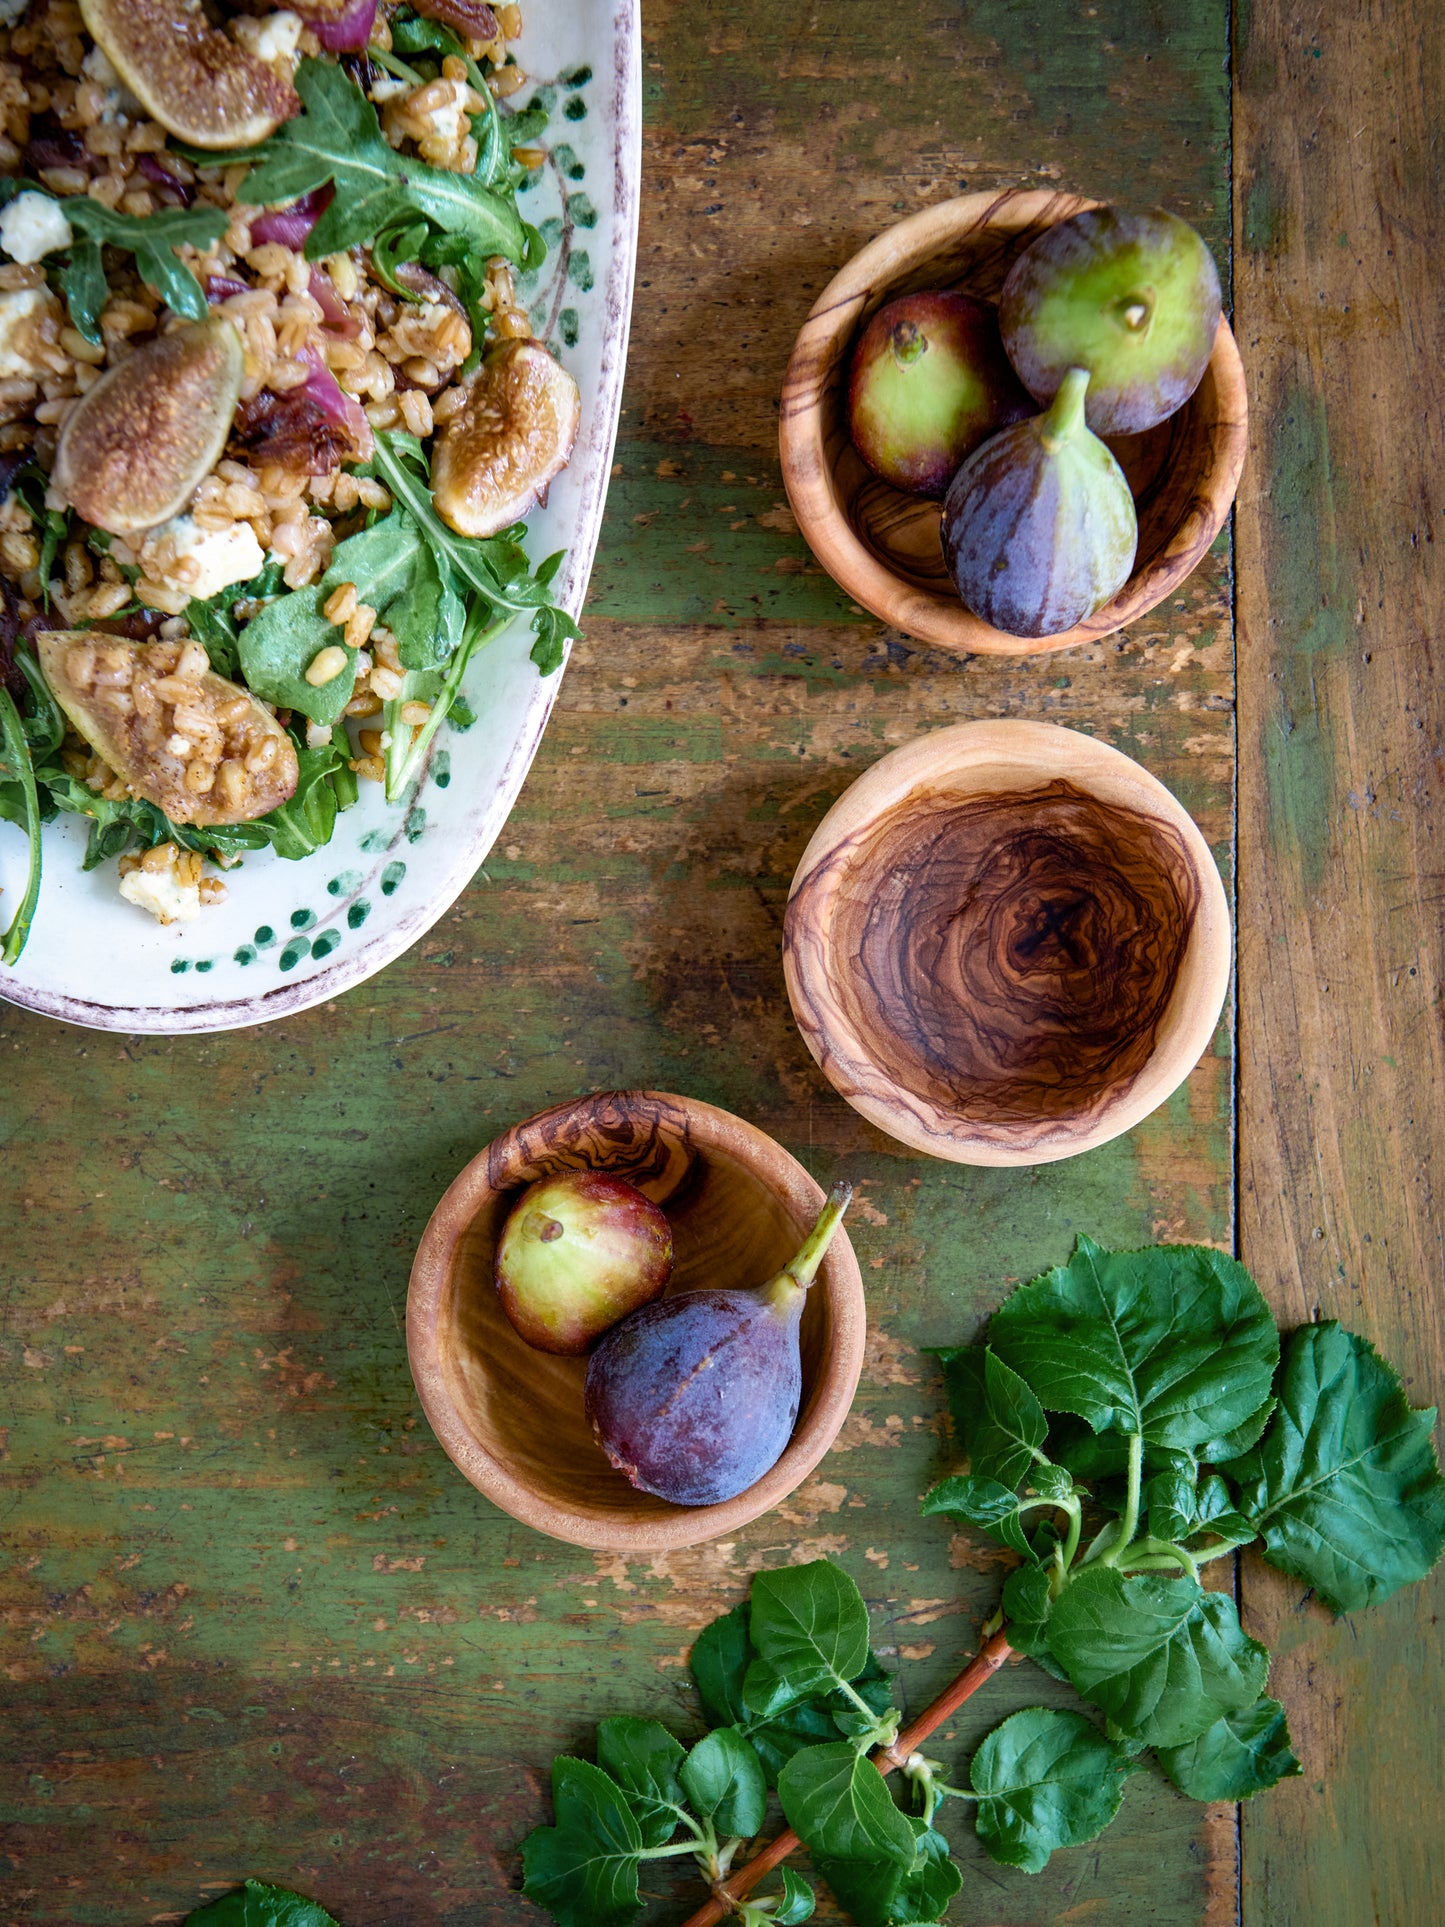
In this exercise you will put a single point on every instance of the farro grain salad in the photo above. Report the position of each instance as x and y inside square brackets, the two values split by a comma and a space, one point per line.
[271, 415]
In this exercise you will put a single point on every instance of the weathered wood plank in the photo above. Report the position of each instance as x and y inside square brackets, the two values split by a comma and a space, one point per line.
[1341, 577]
[252, 1620]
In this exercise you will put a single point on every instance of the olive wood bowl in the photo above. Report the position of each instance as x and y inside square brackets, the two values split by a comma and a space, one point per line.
[881, 545]
[1006, 943]
[511, 1418]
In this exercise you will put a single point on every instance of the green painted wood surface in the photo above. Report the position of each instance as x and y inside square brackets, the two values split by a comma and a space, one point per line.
[1339, 209]
[252, 1619]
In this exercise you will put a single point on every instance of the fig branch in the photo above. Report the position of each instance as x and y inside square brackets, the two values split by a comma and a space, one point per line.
[737, 1886]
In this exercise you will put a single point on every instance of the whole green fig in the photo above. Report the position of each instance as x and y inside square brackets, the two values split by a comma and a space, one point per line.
[1134, 298]
[1038, 527]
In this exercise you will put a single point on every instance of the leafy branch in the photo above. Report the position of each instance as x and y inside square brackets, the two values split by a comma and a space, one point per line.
[1131, 1418]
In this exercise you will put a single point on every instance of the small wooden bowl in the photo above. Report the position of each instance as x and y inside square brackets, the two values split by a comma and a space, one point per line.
[1006, 943]
[883, 546]
[511, 1419]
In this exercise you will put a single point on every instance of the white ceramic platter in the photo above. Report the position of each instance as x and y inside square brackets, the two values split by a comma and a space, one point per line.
[290, 935]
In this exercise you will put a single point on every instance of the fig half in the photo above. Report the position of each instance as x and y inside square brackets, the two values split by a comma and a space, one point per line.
[1134, 298]
[195, 80]
[493, 461]
[199, 747]
[1039, 528]
[135, 446]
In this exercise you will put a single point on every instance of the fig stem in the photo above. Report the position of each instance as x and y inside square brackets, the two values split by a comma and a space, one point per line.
[1066, 413]
[981, 1668]
[804, 1267]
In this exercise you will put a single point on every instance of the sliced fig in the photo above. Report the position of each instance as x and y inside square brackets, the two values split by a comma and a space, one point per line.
[1039, 528]
[1134, 298]
[136, 445]
[493, 460]
[195, 80]
[199, 747]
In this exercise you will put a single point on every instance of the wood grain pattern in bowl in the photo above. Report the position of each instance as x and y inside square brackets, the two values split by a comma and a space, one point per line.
[897, 965]
[511, 1418]
[881, 545]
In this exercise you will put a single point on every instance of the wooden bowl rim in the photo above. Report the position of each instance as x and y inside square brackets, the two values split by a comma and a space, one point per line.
[953, 752]
[811, 485]
[711, 1128]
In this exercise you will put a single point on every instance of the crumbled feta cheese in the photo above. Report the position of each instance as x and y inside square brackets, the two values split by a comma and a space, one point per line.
[33, 226]
[280, 36]
[275, 38]
[162, 893]
[389, 87]
[24, 315]
[219, 556]
[120, 102]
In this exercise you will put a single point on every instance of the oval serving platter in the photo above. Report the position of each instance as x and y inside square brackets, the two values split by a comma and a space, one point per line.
[293, 934]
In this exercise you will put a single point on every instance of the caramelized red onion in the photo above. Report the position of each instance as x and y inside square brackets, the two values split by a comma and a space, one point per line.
[473, 18]
[291, 226]
[345, 32]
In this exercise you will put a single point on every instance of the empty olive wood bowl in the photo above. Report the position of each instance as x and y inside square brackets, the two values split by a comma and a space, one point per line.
[1006, 943]
[511, 1418]
[883, 546]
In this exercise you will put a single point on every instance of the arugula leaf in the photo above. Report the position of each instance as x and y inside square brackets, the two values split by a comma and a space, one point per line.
[1344, 1485]
[257, 1905]
[18, 768]
[583, 1870]
[838, 1804]
[213, 624]
[723, 1780]
[304, 823]
[277, 646]
[1046, 1780]
[998, 1422]
[1175, 1342]
[984, 1503]
[1239, 1755]
[643, 1758]
[1162, 1657]
[881, 1893]
[720, 1657]
[152, 239]
[810, 1624]
[338, 138]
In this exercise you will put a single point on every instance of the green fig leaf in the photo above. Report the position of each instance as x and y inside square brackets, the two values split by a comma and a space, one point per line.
[1344, 1485]
[1161, 1657]
[1175, 1342]
[1045, 1780]
[838, 1804]
[723, 1780]
[809, 1623]
[583, 1870]
[643, 1758]
[1240, 1755]
[984, 1503]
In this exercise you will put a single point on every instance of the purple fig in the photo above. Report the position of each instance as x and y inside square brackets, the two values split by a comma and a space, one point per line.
[1134, 298]
[929, 382]
[578, 1252]
[696, 1397]
[1039, 528]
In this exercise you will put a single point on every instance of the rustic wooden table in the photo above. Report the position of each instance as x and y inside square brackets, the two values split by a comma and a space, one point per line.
[253, 1620]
